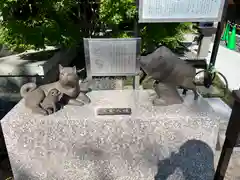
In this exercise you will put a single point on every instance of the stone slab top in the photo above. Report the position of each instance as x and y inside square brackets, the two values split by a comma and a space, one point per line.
[154, 143]
[221, 108]
[16, 65]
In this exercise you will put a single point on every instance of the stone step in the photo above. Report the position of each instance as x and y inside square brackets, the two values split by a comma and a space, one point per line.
[131, 87]
[212, 90]
[224, 111]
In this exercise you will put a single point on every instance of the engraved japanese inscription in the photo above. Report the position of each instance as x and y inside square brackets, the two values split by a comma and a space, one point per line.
[116, 57]
[180, 10]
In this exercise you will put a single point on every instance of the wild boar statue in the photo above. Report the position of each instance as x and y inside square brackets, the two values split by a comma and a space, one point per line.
[169, 73]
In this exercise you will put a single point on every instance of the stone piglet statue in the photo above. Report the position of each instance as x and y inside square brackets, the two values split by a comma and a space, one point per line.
[169, 73]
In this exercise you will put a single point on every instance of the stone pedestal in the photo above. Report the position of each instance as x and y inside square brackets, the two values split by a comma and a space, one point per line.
[172, 142]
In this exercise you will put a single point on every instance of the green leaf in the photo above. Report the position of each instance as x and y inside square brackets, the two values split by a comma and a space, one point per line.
[66, 22]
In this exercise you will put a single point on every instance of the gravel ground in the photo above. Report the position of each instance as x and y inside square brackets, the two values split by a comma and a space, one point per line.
[233, 172]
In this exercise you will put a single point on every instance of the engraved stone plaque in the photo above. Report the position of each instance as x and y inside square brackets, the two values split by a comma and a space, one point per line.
[112, 57]
[180, 10]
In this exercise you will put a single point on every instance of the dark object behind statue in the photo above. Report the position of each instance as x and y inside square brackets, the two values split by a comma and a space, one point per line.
[167, 69]
[68, 85]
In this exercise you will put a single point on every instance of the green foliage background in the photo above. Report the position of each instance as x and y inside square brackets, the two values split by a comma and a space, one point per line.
[37, 23]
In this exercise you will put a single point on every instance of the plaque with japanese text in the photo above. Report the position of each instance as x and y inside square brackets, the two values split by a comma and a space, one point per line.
[180, 10]
[113, 57]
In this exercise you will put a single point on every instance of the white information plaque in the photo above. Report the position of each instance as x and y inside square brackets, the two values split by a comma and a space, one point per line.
[113, 56]
[180, 10]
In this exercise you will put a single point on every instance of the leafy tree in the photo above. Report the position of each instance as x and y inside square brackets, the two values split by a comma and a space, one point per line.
[37, 23]
[122, 14]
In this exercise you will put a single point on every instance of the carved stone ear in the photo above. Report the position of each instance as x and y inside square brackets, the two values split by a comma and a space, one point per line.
[60, 67]
[75, 69]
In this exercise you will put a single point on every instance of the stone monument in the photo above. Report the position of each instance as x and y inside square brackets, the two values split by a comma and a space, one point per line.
[154, 142]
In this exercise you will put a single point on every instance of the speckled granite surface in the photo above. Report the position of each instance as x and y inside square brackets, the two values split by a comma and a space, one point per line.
[163, 143]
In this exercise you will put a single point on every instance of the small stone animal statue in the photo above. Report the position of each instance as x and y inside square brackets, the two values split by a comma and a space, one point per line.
[51, 101]
[68, 85]
[169, 73]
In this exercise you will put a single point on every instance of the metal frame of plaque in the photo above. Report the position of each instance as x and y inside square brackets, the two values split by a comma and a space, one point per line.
[180, 11]
[112, 56]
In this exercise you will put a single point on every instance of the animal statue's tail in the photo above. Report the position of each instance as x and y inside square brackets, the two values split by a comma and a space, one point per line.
[28, 87]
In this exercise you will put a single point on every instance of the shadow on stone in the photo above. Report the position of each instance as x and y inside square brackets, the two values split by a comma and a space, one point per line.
[193, 161]
[5, 106]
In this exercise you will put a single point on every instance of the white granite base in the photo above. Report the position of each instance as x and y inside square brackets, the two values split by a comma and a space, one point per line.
[162, 143]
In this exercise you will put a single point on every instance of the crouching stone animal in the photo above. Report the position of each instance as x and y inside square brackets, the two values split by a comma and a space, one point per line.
[51, 101]
[68, 85]
[168, 72]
